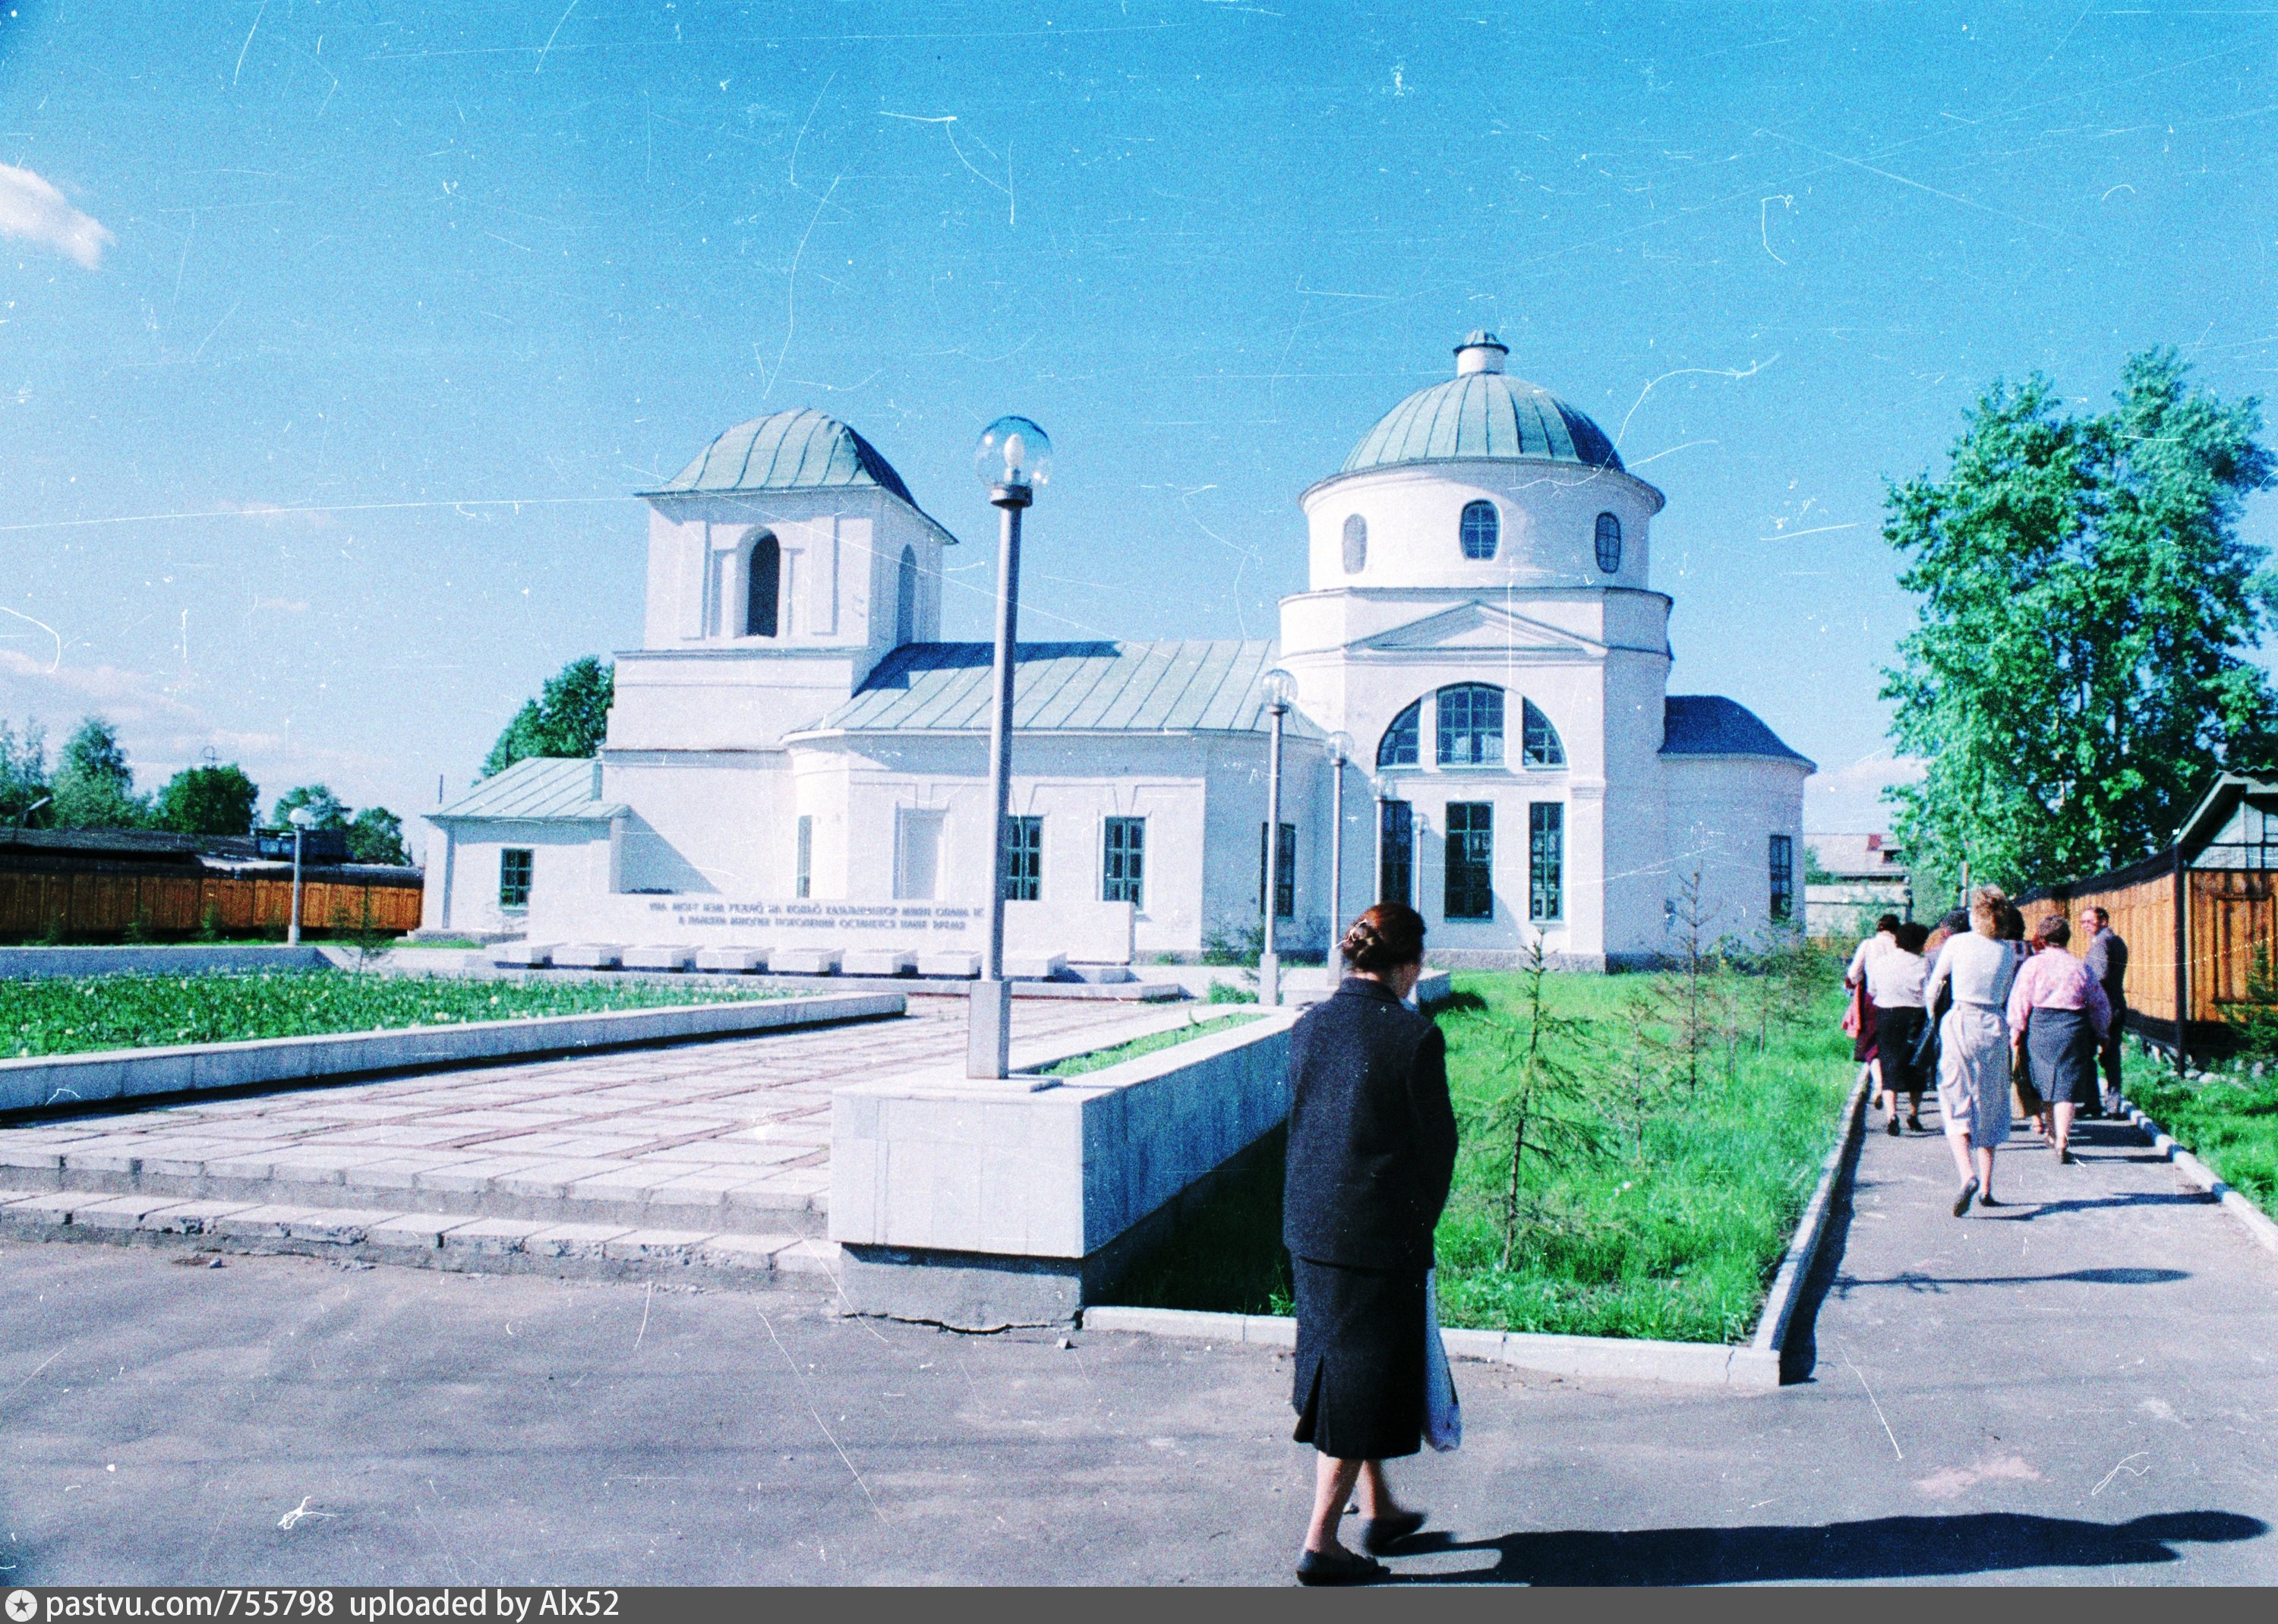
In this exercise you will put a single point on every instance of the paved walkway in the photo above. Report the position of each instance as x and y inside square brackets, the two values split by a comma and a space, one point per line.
[2077, 1388]
[721, 1136]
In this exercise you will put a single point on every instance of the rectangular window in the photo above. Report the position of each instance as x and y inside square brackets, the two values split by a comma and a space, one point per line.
[802, 873]
[1285, 889]
[1123, 869]
[1469, 725]
[1782, 864]
[1395, 852]
[514, 878]
[1024, 859]
[1470, 892]
[1546, 861]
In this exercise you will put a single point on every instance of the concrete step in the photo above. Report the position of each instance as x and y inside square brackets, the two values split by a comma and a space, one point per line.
[801, 1209]
[459, 1241]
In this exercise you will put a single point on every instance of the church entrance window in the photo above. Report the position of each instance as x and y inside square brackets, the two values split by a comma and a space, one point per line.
[917, 853]
[514, 876]
[1546, 862]
[1398, 747]
[1482, 529]
[1395, 853]
[1470, 892]
[1539, 745]
[905, 599]
[1471, 725]
[1609, 543]
[1356, 544]
[1123, 863]
[763, 588]
[1024, 859]
[1285, 881]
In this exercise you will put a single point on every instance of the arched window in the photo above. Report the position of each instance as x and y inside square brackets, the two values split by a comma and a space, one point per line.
[1355, 545]
[905, 599]
[1397, 748]
[764, 587]
[1481, 529]
[1539, 745]
[1609, 543]
[1471, 725]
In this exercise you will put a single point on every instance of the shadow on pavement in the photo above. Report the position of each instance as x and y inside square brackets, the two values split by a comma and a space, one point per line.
[2025, 1212]
[2085, 1277]
[1878, 1548]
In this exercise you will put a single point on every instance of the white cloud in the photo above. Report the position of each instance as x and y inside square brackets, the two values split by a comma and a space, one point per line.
[1849, 799]
[31, 208]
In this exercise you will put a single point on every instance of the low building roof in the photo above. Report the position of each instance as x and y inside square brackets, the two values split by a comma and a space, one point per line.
[1093, 687]
[796, 450]
[1711, 725]
[539, 789]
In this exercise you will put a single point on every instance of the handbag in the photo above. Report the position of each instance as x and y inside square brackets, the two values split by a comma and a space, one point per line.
[2021, 1077]
[1443, 1411]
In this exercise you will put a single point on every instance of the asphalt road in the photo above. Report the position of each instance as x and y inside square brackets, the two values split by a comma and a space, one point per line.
[2078, 1387]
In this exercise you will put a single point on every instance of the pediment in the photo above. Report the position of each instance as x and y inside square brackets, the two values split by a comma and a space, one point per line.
[1479, 628]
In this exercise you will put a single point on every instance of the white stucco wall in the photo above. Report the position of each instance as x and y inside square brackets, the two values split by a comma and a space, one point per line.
[565, 858]
[1723, 811]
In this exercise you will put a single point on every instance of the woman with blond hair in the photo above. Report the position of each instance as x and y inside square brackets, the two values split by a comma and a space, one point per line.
[1974, 1053]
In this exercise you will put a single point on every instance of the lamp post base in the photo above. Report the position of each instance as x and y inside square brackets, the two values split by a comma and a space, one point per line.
[1269, 979]
[988, 1030]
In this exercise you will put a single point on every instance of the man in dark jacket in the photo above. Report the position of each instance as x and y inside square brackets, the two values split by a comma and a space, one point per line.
[2106, 958]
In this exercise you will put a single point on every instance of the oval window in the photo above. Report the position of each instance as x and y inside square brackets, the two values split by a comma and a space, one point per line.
[1355, 545]
[1609, 543]
[1482, 531]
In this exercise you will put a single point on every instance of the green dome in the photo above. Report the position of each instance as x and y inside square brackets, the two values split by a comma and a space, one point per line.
[1483, 413]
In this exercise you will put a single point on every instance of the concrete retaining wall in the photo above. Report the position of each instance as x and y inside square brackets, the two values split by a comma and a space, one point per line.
[118, 1074]
[981, 1205]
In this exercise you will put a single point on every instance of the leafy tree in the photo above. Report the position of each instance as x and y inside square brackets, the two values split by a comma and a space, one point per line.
[24, 775]
[376, 835]
[327, 809]
[95, 783]
[208, 800]
[569, 718]
[2079, 664]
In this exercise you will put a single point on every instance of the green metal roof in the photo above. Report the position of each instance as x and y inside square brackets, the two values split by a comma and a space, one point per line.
[1483, 415]
[800, 450]
[1102, 687]
[542, 789]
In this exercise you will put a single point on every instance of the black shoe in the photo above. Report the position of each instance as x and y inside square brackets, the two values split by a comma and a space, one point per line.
[1892, 1127]
[1379, 1535]
[1964, 1196]
[1915, 1123]
[2066, 1160]
[1339, 1566]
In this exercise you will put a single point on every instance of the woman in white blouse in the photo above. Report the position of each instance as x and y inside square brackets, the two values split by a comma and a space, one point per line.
[1974, 1055]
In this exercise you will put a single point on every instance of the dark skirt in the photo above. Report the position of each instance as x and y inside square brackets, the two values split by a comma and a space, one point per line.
[1897, 1031]
[1359, 1383]
[2060, 1055]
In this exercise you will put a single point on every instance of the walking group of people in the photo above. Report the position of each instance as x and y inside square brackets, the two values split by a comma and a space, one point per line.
[1974, 1009]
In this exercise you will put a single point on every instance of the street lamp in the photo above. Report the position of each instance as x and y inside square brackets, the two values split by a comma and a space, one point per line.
[1011, 458]
[1278, 688]
[1386, 791]
[1341, 750]
[300, 818]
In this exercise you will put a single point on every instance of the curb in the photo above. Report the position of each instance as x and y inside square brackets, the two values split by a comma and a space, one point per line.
[1755, 1368]
[79, 1080]
[2251, 1217]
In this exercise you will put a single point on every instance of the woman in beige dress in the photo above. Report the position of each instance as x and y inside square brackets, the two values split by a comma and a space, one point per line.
[1974, 1055]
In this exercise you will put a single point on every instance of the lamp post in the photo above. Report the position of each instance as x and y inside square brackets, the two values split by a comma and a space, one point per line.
[1385, 792]
[1340, 749]
[1011, 458]
[300, 818]
[1278, 687]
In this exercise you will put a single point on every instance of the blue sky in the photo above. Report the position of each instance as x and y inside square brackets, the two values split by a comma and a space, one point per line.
[333, 335]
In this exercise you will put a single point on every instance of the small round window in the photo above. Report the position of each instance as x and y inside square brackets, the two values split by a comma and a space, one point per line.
[1355, 545]
[1482, 531]
[1609, 543]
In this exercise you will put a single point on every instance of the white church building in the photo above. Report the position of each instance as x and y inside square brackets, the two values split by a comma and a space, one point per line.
[795, 756]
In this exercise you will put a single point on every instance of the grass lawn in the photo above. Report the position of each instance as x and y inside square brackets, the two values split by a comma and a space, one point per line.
[56, 1014]
[1679, 1242]
[2229, 1122]
[1100, 1059]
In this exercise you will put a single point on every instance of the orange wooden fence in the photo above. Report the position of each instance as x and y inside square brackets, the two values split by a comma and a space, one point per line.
[35, 905]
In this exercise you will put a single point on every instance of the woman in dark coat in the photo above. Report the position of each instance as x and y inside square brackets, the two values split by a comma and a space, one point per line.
[1371, 1151]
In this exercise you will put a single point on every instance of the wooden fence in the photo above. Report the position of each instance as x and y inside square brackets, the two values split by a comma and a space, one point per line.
[2198, 963]
[35, 905]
